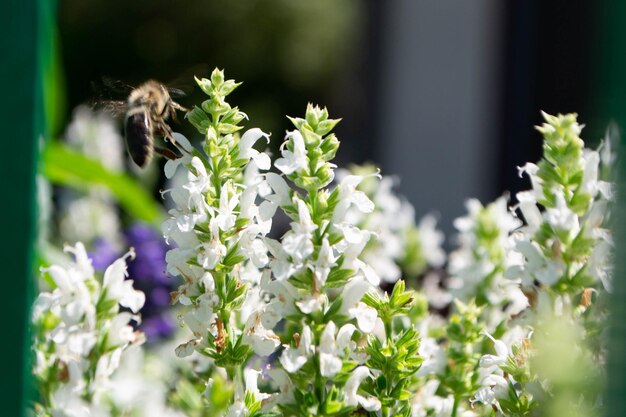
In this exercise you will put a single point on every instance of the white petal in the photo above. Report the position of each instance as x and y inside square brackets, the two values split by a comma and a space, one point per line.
[330, 364]
[344, 336]
[369, 403]
[365, 316]
[186, 349]
[262, 160]
[292, 359]
[487, 361]
[248, 140]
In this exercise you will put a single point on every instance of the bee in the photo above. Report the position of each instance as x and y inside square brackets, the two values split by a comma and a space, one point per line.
[146, 112]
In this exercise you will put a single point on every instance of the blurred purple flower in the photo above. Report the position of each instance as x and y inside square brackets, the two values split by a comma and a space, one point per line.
[103, 255]
[148, 272]
[150, 247]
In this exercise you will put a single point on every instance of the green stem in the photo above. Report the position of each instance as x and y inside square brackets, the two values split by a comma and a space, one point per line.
[388, 329]
[455, 406]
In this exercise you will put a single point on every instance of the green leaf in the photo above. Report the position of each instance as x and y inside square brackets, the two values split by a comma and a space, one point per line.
[198, 119]
[64, 166]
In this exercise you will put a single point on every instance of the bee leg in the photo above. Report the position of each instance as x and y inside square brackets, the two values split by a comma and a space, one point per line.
[166, 153]
[177, 106]
[163, 130]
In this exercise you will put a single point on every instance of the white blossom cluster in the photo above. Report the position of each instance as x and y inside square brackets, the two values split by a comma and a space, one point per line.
[314, 278]
[477, 267]
[218, 227]
[81, 334]
[562, 259]
[567, 243]
[211, 238]
[298, 326]
[92, 214]
[399, 248]
[531, 279]
[300, 298]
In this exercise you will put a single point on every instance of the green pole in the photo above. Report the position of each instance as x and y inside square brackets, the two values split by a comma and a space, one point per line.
[611, 105]
[22, 121]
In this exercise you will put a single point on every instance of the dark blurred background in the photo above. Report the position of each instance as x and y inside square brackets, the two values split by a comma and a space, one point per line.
[443, 94]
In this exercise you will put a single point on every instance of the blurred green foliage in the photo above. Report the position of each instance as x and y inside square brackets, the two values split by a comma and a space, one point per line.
[64, 166]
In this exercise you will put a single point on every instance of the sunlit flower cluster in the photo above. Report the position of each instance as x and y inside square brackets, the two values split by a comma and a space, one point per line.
[399, 247]
[81, 333]
[316, 320]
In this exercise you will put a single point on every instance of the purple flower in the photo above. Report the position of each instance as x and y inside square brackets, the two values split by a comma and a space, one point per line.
[150, 248]
[103, 255]
[148, 273]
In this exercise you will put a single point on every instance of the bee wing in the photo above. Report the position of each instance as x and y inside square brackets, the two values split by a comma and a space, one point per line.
[176, 92]
[117, 86]
[185, 83]
[115, 108]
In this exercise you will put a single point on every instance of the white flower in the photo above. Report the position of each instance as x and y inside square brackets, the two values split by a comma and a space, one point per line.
[431, 240]
[119, 288]
[528, 206]
[285, 386]
[96, 136]
[502, 353]
[349, 195]
[200, 315]
[352, 306]
[246, 151]
[120, 332]
[365, 316]
[212, 251]
[282, 193]
[250, 378]
[282, 304]
[332, 351]
[293, 359]
[531, 170]
[494, 388]
[352, 398]
[535, 266]
[255, 250]
[282, 266]
[172, 164]
[263, 341]
[297, 242]
[296, 160]
[330, 363]
[310, 303]
[561, 218]
[226, 218]
[72, 294]
[198, 184]
[322, 265]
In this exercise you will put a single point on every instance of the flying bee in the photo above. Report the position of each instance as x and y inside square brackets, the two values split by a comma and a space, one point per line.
[145, 111]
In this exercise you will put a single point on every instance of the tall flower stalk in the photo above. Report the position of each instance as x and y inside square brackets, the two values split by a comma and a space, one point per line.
[561, 257]
[217, 229]
[317, 288]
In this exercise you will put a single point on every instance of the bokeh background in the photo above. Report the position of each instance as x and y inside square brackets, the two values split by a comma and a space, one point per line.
[442, 94]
